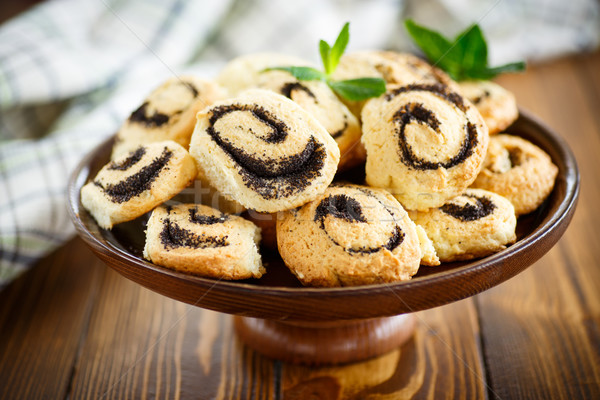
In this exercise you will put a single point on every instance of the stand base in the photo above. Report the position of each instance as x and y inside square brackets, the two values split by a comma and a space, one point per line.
[320, 343]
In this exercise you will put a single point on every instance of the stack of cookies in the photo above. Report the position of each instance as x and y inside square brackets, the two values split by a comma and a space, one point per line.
[442, 183]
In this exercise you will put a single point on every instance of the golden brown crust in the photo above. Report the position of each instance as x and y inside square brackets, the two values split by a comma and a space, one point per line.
[518, 170]
[350, 235]
[496, 105]
[474, 224]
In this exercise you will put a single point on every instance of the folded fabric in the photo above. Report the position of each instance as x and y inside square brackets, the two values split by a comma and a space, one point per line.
[72, 70]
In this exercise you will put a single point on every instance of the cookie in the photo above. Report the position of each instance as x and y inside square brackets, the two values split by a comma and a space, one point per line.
[135, 183]
[425, 144]
[393, 67]
[496, 105]
[315, 97]
[244, 72]
[200, 240]
[264, 151]
[474, 224]
[349, 235]
[518, 170]
[168, 113]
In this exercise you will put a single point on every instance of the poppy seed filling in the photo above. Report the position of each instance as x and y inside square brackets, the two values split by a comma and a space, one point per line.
[137, 183]
[157, 119]
[416, 112]
[345, 207]
[173, 236]
[290, 87]
[470, 212]
[270, 178]
[133, 158]
[206, 219]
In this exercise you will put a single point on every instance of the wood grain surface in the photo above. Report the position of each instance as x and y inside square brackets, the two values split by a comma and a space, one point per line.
[71, 328]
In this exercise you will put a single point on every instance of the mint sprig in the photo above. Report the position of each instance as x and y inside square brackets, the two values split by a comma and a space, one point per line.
[351, 89]
[463, 58]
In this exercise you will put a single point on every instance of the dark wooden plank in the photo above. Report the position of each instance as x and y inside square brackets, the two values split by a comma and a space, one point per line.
[534, 344]
[573, 111]
[144, 345]
[541, 336]
[43, 316]
[441, 361]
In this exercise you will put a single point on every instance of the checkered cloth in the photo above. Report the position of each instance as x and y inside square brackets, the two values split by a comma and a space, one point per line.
[72, 70]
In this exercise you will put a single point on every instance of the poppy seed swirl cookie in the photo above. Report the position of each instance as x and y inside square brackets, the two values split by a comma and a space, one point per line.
[264, 151]
[349, 235]
[135, 183]
[168, 113]
[425, 144]
[518, 170]
[497, 106]
[201, 240]
[474, 224]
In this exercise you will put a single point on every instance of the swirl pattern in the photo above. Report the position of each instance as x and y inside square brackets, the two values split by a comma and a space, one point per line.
[134, 184]
[168, 113]
[474, 224]
[150, 113]
[349, 210]
[441, 143]
[203, 241]
[518, 170]
[173, 235]
[480, 207]
[257, 149]
[268, 176]
[350, 235]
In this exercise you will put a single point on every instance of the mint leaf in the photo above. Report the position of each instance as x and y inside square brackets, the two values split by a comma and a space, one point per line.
[358, 89]
[325, 51]
[434, 45]
[352, 89]
[472, 49]
[339, 47]
[463, 58]
[301, 73]
[489, 73]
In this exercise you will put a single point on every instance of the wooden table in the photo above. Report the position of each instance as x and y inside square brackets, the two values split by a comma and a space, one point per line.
[72, 328]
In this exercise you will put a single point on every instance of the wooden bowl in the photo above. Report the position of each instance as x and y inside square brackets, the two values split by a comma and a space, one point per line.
[362, 313]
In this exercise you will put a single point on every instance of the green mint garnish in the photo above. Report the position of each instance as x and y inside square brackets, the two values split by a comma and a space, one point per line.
[351, 89]
[358, 89]
[331, 55]
[463, 58]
